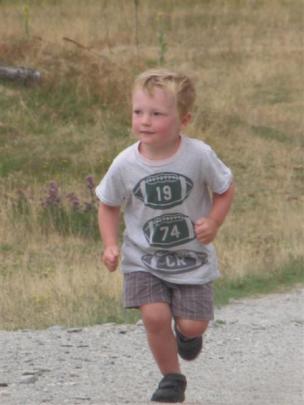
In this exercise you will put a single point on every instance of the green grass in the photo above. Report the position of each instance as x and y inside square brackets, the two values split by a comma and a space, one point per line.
[270, 133]
[287, 276]
[44, 129]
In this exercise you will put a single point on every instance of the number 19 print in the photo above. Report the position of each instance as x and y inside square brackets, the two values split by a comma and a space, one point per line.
[163, 190]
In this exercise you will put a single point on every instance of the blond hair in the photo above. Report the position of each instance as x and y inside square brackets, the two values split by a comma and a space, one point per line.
[178, 84]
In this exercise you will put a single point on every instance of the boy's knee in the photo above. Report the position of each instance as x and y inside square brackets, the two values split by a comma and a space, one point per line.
[190, 328]
[156, 316]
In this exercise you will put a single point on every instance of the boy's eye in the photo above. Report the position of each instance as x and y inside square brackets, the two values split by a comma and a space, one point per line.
[136, 112]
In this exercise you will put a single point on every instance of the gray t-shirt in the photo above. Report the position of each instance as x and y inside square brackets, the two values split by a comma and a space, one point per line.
[162, 200]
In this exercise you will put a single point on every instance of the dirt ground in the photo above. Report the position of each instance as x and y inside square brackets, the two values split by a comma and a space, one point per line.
[253, 355]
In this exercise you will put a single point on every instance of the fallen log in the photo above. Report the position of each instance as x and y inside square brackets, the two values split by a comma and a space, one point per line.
[19, 73]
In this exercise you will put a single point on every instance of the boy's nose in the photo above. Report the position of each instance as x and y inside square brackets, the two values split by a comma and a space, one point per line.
[146, 119]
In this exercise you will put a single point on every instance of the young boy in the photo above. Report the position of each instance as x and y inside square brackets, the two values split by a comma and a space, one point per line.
[175, 193]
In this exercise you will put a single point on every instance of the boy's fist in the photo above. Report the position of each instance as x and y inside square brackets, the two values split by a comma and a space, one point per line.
[110, 257]
[206, 230]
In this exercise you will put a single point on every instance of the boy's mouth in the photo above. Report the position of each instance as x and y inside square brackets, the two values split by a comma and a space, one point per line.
[146, 132]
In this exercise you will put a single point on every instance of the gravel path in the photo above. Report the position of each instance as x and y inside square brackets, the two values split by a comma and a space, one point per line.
[253, 355]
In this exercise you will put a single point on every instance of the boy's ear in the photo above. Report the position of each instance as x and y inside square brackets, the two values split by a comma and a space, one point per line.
[186, 119]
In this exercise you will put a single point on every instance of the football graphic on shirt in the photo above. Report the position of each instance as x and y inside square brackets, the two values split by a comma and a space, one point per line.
[163, 190]
[175, 261]
[169, 230]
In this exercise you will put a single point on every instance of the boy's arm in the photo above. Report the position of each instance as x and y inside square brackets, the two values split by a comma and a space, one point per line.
[108, 221]
[206, 228]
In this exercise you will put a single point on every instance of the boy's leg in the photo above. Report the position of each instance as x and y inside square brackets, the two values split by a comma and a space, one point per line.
[148, 293]
[157, 318]
[192, 306]
[153, 297]
[189, 337]
[191, 329]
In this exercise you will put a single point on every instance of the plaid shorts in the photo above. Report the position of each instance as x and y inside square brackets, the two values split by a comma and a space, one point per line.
[194, 302]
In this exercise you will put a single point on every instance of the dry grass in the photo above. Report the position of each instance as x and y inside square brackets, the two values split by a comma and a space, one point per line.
[49, 280]
[246, 59]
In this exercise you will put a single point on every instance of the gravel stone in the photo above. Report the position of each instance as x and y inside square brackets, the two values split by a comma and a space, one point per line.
[253, 355]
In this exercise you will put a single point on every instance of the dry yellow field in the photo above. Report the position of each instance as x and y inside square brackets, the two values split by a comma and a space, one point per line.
[246, 58]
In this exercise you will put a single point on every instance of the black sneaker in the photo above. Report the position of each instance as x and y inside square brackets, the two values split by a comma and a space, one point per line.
[171, 389]
[188, 348]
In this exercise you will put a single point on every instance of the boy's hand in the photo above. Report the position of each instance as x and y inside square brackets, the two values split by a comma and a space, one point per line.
[110, 257]
[206, 230]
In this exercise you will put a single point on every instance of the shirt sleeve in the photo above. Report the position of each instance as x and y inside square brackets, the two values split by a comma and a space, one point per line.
[217, 175]
[111, 190]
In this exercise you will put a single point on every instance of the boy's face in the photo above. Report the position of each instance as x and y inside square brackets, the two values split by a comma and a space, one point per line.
[156, 121]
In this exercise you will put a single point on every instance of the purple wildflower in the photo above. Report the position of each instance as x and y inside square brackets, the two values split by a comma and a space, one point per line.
[53, 197]
[90, 183]
[74, 201]
[91, 187]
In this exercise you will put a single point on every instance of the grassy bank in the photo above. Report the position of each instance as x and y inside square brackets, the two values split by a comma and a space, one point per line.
[286, 276]
[58, 137]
